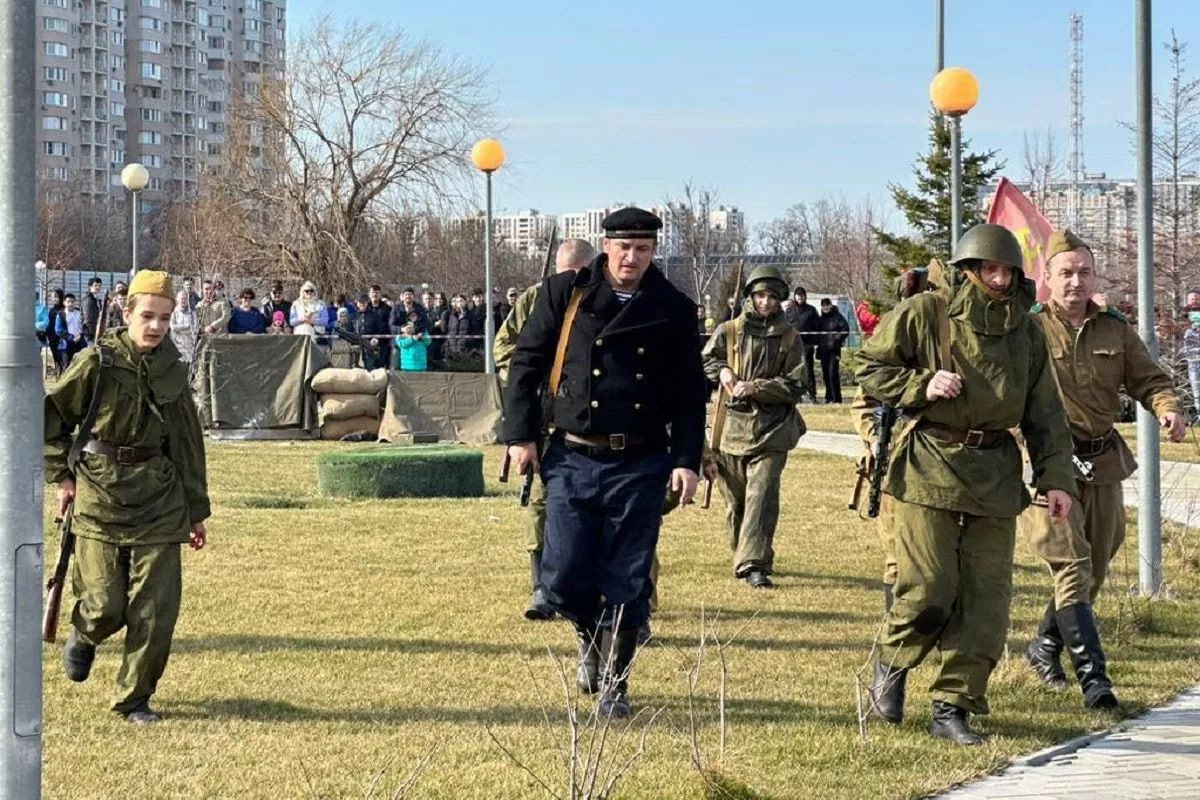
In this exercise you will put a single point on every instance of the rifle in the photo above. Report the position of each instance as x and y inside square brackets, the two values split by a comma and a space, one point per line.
[721, 407]
[54, 586]
[549, 251]
[877, 466]
[526, 488]
[506, 466]
[708, 484]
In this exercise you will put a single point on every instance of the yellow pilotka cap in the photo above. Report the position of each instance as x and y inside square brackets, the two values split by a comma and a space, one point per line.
[151, 281]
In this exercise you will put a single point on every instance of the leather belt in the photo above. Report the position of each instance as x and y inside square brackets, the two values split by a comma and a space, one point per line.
[605, 442]
[1090, 448]
[122, 455]
[973, 439]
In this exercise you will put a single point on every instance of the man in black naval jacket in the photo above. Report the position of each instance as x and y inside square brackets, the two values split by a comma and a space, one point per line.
[627, 419]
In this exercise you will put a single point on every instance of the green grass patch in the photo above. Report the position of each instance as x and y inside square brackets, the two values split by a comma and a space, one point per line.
[308, 661]
[390, 471]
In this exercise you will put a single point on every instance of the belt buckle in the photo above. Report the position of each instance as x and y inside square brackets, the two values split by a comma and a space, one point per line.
[973, 440]
[616, 441]
[125, 456]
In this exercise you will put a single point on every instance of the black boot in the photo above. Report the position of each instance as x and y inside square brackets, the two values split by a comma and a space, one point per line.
[617, 650]
[1082, 641]
[78, 656]
[587, 673]
[539, 608]
[1044, 651]
[887, 693]
[950, 723]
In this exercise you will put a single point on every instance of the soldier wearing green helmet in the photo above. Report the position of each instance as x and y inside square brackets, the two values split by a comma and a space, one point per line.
[966, 364]
[760, 368]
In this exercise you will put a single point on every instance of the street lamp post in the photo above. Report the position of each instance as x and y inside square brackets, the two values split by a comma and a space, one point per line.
[954, 91]
[134, 177]
[488, 156]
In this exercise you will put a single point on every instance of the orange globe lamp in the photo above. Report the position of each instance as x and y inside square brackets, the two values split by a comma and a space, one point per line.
[954, 91]
[487, 155]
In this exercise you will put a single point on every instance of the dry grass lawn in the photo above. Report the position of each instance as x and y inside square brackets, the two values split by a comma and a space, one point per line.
[323, 642]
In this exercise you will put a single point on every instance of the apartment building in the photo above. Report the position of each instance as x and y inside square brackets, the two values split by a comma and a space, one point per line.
[148, 81]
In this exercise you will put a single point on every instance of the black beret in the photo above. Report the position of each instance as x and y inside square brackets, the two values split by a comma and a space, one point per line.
[631, 223]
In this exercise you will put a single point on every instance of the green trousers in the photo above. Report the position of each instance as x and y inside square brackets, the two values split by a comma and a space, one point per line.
[883, 525]
[1078, 551]
[750, 485]
[953, 589]
[136, 588]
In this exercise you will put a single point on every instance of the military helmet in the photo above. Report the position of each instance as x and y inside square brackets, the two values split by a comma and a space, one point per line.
[768, 279]
[988, 242]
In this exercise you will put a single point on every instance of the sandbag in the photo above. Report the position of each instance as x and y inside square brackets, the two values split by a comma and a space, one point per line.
[348, 406]
[335, 429]
[335, 380]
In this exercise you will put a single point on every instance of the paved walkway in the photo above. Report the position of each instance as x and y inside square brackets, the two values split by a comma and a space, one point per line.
[1155, 757]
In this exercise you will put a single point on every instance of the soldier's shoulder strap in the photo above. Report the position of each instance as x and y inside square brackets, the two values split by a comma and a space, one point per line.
[1112, 312]
[942, 311]
[104, 361]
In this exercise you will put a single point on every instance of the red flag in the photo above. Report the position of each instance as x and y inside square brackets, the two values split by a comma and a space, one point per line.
[1015, 211]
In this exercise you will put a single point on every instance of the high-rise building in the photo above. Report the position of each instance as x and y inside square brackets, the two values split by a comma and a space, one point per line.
[148, 81]
[527, 232]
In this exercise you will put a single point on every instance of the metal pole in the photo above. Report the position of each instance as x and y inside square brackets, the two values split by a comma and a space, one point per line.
[955, 180]
[133, 202]
[21, 427]
[1149, 501]
[489, 358]
[941, 36]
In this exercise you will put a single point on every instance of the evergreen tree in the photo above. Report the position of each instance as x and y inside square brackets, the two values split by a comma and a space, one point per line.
[927, 209]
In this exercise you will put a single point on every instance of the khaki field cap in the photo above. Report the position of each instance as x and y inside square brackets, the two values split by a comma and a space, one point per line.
[151, 281]
[1063, 241]
[988, 242]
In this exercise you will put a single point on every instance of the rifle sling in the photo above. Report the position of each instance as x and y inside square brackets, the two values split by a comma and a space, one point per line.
[89, 419]
[560, 351]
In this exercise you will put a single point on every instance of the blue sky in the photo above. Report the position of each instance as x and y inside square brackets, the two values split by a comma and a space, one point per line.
[770, 103]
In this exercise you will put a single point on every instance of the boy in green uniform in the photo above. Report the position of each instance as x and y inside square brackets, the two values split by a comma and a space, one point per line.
[124, 444]
[760, 366]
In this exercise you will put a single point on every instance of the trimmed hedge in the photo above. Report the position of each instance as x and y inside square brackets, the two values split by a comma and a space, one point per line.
[418, 471]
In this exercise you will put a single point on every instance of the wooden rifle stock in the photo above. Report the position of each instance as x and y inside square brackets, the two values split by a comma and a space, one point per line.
[54, 586]
[505, 466]
[708, 487]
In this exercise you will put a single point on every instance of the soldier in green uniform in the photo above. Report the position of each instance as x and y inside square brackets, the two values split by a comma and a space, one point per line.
[572, 256]
[1094, 352]
[123, 443]
[760, 366]
[966, 364]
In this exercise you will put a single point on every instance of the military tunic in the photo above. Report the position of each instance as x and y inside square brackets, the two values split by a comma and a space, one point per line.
[955, 506]
[759, 433]
[632, 371]
[130, 519]
[1092, 363]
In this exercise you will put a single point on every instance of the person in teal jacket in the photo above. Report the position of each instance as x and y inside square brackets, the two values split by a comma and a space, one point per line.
[411, 349]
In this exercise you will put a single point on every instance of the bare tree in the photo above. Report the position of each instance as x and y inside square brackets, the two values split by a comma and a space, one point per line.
[367, 124]
[76, 231]
[837, 236]
[1176, 146]
[1043, 163]
[693, 231]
